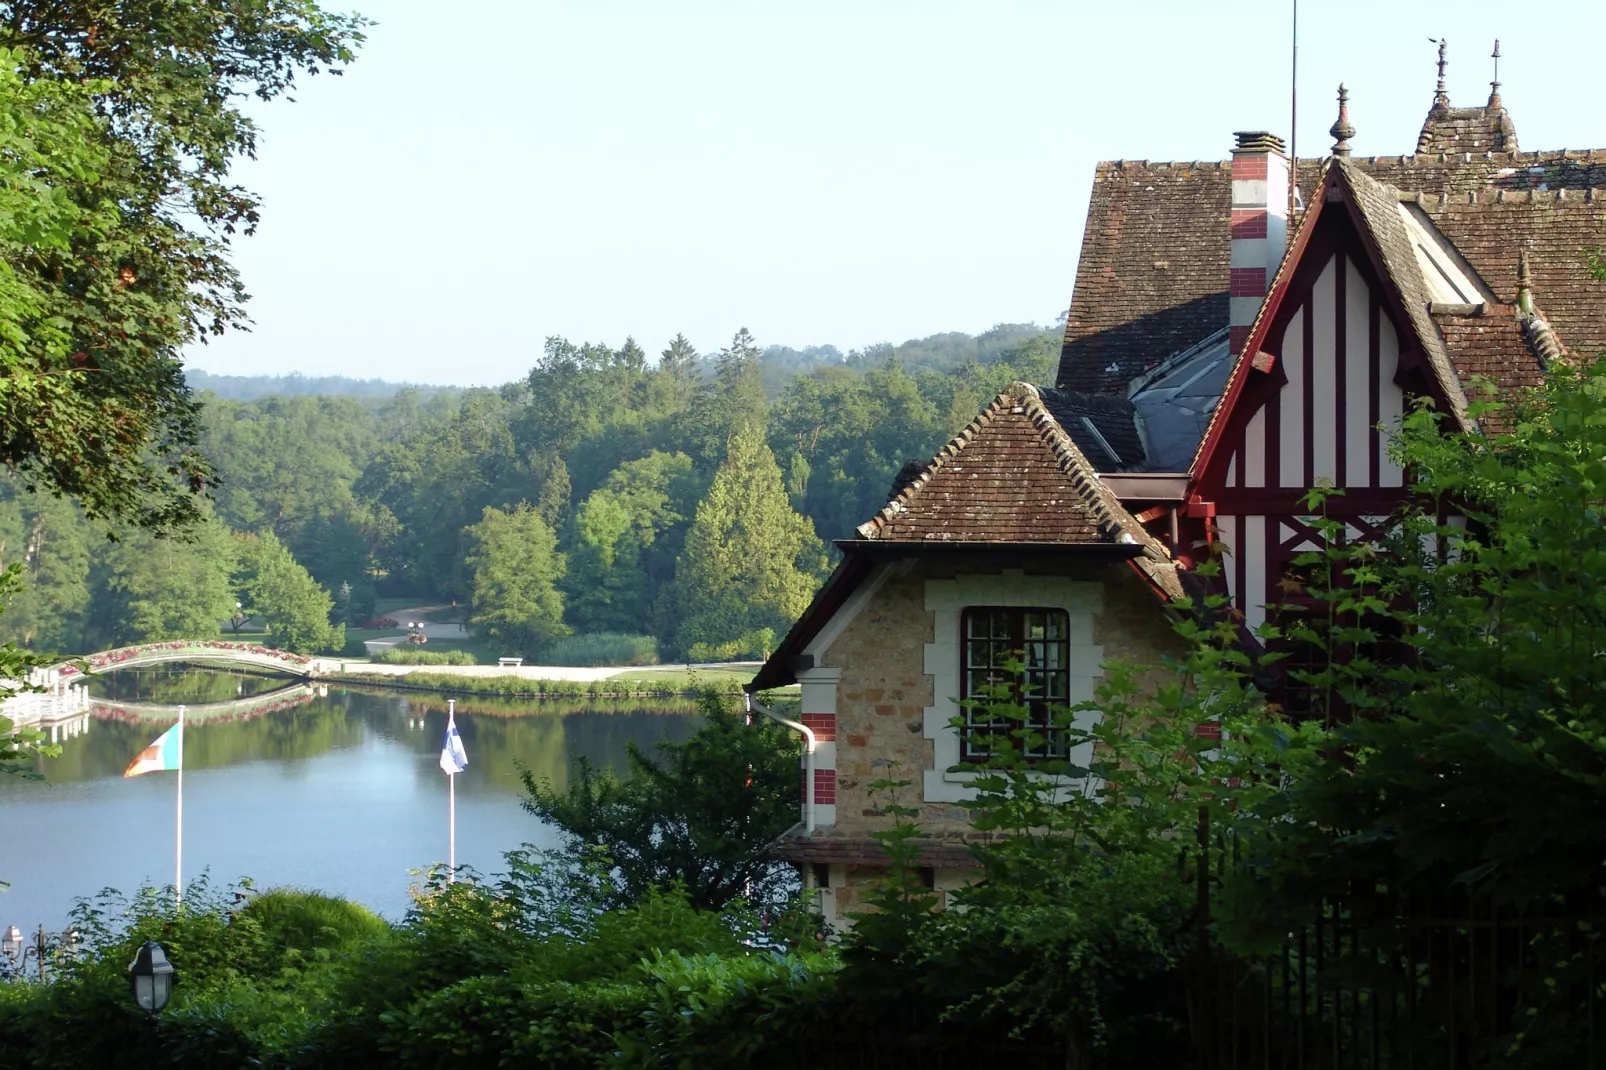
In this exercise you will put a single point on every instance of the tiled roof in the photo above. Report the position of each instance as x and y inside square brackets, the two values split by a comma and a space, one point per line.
[1378, 206]
[1015, 476]
[1556, 228]
[1445, 174]
[1012, 476]
[1457, 131]
[828, 845]
[1494, 344]
[1103, 426]
[1152, 278]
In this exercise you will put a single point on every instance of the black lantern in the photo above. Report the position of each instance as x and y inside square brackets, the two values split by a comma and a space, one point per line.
[152, 977]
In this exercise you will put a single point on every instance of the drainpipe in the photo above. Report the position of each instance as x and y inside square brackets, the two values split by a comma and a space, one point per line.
[809, 744]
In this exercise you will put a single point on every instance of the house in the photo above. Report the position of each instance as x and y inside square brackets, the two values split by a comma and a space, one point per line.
[1240, 331]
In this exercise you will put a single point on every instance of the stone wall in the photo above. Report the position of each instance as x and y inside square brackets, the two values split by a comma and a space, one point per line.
[884, 691]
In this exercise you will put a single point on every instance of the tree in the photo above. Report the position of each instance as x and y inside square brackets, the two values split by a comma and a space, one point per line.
[157, 587]
[516, 567]
[625, 538]
[272, 585]
[750, 564]
[700, 817]
[135, 117]
[47, 612]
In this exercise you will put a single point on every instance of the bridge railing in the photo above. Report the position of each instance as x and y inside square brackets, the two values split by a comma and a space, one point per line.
[199, 649]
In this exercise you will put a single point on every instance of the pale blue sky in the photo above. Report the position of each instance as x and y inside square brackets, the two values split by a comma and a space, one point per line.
[491, 172]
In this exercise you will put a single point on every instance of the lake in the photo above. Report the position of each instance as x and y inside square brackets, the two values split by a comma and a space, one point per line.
[337, 789]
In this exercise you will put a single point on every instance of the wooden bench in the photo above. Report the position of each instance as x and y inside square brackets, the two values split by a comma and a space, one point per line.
[509, 663]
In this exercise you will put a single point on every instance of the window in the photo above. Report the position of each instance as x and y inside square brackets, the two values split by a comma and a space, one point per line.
[1039, 639]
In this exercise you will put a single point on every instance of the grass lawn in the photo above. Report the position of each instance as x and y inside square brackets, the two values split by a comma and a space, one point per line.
[692, 677]
[387, 607]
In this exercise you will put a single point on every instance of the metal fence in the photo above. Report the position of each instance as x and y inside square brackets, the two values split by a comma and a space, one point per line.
[1383, 983]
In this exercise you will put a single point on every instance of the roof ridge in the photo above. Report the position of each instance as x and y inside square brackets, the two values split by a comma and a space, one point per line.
[1085, 478]
[1542, 339]
[899, 502]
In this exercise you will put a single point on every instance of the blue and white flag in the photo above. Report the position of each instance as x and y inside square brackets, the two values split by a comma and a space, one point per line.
[454, 759]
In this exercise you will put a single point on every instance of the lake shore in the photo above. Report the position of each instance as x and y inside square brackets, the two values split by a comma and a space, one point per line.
[542, 680]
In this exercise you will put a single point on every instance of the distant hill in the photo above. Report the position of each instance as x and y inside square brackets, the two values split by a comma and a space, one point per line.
[251, 387]
[1023, 344]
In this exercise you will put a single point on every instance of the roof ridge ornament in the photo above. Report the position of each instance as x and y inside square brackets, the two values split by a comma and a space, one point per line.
[1441, 95]
[1494, 86]
[1525, 285]
[1343, 129]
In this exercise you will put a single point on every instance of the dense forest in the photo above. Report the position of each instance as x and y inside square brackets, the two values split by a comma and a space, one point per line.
[689, 497]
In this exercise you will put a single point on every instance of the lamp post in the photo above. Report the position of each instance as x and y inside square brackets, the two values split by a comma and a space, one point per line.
[18, 951]
[151, 977]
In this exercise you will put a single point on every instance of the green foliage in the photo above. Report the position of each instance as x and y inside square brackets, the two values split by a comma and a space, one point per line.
[699, 818]
[401, 655]
[46, 536]
[507, 684]
[749, 561]
[602, 648]
[516, 568]
[17, 745]
[275, 588]
[121, 135]
[154, 587]
[626, 537]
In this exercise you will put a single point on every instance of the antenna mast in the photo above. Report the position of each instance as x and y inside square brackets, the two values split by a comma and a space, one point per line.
[1293, 124]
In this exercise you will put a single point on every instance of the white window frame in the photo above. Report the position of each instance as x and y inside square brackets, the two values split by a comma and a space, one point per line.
[1081, 600]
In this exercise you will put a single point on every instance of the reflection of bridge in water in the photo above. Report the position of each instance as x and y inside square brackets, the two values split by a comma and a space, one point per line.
[235, 709]
[59, 701]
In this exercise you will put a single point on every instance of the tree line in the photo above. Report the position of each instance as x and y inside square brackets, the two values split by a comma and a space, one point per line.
[691, 498]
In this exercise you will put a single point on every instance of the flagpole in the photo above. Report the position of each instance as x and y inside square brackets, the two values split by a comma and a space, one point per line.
[178, 825]
[451, 803]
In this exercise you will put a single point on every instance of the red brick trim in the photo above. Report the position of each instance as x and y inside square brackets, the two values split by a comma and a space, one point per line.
[1247, 282]
[1249, 166]
[823, 724]
[824, 787]
[1248, 223]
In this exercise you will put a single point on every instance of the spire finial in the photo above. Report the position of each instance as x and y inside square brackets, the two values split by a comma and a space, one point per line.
[1441, 95]
[1343, 129]
[1494, 86]
[1525, 285]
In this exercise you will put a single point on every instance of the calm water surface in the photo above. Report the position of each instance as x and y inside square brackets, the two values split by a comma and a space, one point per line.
[339, 791]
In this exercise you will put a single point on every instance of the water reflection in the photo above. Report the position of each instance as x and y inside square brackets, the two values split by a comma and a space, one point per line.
[338, 791]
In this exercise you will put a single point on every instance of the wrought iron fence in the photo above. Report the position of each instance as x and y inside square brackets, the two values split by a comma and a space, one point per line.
[1384, 981]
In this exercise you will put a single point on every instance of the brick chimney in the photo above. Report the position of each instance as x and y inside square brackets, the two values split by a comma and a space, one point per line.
[1259, 225]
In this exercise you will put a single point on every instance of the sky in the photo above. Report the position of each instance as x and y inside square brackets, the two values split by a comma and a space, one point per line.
[493, 172]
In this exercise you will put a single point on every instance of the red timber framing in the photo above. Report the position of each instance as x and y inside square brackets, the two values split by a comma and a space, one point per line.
[1323, 376]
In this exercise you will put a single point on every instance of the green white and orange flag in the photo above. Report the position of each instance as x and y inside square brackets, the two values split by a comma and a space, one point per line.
[166, 754]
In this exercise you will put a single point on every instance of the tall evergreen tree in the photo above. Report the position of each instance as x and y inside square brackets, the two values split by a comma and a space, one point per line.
[680, 359]
[750, 563]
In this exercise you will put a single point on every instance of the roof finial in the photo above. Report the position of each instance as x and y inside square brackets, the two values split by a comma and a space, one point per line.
[1343, 129]
[1525, 285]
[1441, 95]
[1494, 86]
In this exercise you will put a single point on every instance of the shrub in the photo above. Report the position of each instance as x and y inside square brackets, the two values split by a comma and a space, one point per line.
[601, 648]
[755, 644]
[404, 656]
[311, 921]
